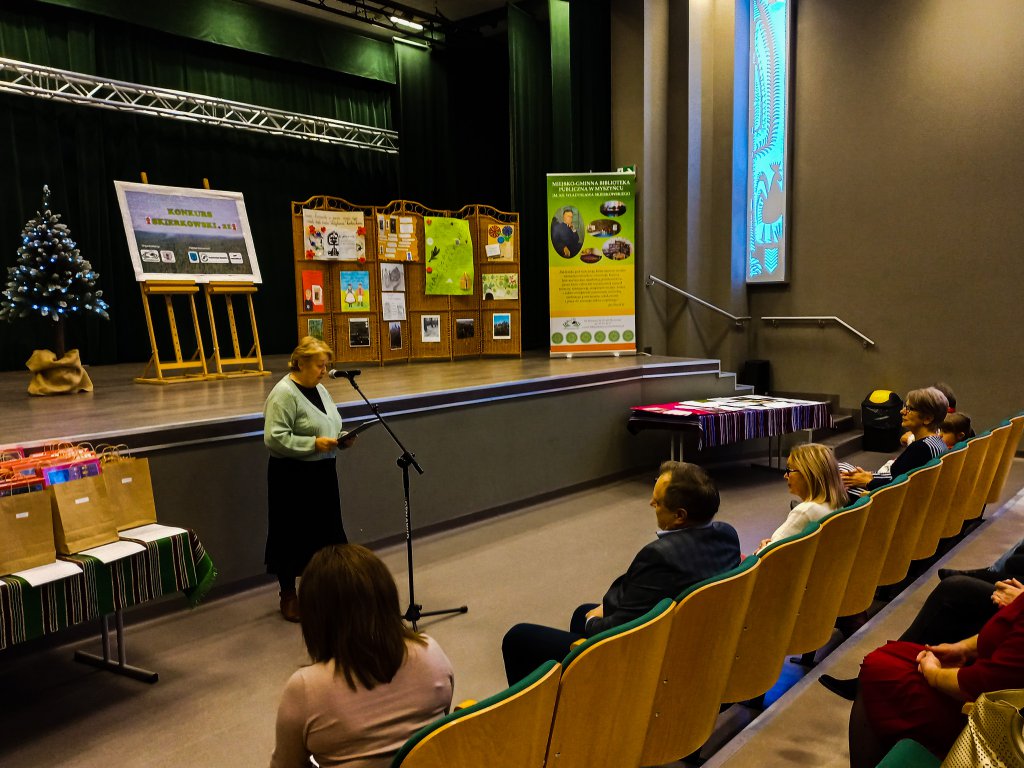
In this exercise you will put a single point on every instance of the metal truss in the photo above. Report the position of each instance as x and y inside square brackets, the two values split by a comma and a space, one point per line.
[77, 88]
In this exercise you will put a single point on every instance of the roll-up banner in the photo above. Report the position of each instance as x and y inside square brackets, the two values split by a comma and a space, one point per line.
[591, 263]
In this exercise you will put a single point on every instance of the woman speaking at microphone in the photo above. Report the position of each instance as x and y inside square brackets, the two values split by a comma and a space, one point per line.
[301, 429]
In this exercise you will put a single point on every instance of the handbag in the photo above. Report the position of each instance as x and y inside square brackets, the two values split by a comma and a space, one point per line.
[994, 735]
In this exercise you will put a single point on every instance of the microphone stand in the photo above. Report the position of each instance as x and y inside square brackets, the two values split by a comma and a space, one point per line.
[414, 612]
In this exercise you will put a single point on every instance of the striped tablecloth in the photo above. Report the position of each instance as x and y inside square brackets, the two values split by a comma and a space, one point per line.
[724, 420]
[178, 563]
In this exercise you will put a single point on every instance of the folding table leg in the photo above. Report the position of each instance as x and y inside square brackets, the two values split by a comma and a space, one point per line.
[119, 667]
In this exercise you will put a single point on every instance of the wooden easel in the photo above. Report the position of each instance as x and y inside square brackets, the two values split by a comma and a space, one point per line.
[197, 363]
[227, 290]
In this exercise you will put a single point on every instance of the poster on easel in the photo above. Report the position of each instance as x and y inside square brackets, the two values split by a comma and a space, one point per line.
[178, 233]
[592, 263]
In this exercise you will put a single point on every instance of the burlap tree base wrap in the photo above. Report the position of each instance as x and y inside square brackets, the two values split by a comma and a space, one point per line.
[65, 376]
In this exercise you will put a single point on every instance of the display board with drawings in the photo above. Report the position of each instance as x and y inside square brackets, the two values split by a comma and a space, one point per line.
[390, 303]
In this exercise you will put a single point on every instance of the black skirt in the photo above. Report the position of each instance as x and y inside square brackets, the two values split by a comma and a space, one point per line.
[304, 512]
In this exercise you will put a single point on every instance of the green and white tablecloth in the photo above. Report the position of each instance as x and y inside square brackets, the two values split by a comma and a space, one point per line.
[177, 563]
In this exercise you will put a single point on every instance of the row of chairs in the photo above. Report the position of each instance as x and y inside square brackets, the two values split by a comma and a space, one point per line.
[649, 692]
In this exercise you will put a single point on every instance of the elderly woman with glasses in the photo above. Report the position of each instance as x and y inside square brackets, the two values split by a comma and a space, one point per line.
[923, 414]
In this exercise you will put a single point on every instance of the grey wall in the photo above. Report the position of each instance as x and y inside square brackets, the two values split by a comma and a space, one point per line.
[477, 459]
[904, 215]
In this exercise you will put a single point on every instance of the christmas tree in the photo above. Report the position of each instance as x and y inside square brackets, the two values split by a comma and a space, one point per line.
[51, 279]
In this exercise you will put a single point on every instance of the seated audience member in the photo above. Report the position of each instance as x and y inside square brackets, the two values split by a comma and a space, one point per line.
[908, 437]
[955, 429]
[958, 607]
[373, 682]
[914, 691]
[689, 548]
[813, 477]
[923, 413]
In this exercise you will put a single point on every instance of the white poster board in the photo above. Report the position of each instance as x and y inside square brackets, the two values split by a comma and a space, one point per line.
[177, 233]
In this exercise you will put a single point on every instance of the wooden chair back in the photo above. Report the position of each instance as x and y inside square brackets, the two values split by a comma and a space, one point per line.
[518, 718]
[838, 545]
[942, 499]
[997, 440]
[1006, 460]
[768, 625]
[963, 496]
[913, 511]
[874, 546]
[606, 694]
[706, 625]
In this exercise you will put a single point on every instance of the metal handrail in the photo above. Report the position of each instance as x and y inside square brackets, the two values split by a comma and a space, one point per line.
[820, 320]
[651, 280]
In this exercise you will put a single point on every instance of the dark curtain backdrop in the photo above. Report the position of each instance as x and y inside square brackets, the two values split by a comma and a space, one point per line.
[426, 162]
[530, 122]
[79, 151]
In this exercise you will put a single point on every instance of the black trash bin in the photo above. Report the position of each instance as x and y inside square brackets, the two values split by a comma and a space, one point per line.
[882, 420]
[758, 374]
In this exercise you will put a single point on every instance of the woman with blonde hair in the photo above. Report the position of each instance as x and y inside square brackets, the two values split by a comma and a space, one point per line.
[812, 475]
[301, 430]
[373, 681]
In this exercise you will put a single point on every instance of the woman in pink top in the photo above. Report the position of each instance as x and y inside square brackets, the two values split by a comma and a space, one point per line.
[373, 682]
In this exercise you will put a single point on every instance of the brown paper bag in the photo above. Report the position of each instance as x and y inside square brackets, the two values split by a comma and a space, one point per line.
[82, 517]
[130, 489]
[26, 532]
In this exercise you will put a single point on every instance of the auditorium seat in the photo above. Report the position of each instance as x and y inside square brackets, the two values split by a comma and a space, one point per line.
[518, 718]
[907, 753]
[874, 545]
[606, 693]
[1006, 460]
[768, 625]
[997, 439]
[963, 497]
[913, 511]
[838, 547]
[706, 624]
[935, 527]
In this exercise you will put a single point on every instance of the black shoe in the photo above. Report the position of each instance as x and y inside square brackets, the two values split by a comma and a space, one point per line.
[846, 689]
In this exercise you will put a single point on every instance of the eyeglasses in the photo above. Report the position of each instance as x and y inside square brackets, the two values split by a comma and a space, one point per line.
[909, 408]
[789, 471]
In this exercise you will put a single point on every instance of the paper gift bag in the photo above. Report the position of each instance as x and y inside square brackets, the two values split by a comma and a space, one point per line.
[26, 532]
[130, 489]
[82, 517]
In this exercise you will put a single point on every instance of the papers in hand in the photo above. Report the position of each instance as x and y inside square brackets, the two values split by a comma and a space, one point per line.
[358, 430]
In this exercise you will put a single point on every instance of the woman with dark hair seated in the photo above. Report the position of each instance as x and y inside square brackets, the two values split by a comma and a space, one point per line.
[373, 682]
[923, 413]
[916, 691]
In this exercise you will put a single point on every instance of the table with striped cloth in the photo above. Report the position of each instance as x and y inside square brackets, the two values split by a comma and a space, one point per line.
[724, 420]
[177, 563]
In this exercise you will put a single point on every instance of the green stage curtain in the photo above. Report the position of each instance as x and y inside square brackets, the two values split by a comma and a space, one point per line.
[530, 125]
[248, 27]
[427, 168]
[94, 45]
[79, 151]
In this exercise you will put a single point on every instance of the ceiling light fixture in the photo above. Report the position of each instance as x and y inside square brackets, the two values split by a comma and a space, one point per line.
[407, 24]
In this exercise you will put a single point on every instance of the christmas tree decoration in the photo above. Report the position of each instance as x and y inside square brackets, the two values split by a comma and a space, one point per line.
[52, 280]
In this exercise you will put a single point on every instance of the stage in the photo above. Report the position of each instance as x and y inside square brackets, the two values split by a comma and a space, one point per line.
[491, 434]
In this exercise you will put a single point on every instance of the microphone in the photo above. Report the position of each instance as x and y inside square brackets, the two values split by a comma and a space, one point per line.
[334, 374]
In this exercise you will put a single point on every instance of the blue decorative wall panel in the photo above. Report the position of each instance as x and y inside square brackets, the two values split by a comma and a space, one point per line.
[767, 137]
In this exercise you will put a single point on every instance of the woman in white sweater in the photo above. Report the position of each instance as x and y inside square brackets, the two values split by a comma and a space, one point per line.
[813, 477]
